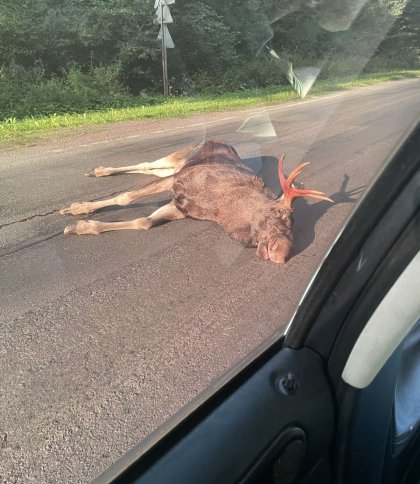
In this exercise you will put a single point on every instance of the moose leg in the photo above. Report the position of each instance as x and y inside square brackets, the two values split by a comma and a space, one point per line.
[79, 208]
[167, 212]
[163, 167]
[140, 168]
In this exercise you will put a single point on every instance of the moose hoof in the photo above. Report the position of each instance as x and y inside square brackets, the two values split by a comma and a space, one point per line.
[98, 172]
[70, 229]
[83, 227]
[76, 209]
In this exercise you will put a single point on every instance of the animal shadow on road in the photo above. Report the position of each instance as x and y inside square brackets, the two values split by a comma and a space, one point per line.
[305, 214]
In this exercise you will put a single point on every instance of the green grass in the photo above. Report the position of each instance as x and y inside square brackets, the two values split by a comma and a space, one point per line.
[21, 130]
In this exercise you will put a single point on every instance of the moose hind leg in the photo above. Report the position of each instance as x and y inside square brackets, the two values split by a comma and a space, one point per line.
[141, 168]
[93, 227]
[162, 167]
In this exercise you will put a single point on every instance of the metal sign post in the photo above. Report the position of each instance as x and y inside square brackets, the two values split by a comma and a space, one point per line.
[164, 57]
[163, 17]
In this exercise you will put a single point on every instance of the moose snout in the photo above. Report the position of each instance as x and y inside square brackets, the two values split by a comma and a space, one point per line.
[279, 250]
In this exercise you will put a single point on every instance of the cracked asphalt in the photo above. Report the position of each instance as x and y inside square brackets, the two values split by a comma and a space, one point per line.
[103, 338]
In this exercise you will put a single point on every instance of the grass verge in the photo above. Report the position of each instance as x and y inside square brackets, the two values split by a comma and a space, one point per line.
[13, 129]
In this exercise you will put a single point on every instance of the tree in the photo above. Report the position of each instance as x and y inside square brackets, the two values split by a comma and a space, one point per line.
[203, 39]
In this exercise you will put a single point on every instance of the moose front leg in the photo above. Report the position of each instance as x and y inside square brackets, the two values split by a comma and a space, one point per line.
[165, 213]
[82, 208]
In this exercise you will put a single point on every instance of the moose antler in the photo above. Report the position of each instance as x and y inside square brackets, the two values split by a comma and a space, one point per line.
[290, 192]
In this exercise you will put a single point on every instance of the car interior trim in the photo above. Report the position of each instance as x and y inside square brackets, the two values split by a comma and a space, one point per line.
[387, 327]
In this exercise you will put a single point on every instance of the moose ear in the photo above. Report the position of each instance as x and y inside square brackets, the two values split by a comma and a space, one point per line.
[257, 182]
[262, 251]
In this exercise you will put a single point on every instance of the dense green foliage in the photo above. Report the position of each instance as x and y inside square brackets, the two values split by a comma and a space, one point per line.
[64, 56]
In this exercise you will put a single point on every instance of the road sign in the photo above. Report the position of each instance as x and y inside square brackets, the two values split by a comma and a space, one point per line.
[163, 14]
[164, 17]
[169, 43]
[158, 3]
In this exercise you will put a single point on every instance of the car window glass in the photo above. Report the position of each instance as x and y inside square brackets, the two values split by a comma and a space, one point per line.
[103, 338]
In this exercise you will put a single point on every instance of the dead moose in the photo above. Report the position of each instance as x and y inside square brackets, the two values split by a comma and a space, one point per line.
[208, 181]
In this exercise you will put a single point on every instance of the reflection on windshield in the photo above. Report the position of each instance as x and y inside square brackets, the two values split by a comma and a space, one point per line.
[105, 337]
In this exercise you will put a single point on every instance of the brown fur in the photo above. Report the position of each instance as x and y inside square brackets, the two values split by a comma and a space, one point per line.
[216, 185]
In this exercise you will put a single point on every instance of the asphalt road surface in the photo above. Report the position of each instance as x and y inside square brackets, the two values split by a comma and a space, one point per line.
[103, 338]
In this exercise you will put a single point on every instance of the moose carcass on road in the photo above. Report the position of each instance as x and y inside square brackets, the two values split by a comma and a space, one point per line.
[208, 181]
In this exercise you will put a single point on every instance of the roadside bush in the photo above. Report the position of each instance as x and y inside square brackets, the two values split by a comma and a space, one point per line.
[253, 74]
[393, 60]
[337, 67]
[26, 92]
[352, 66]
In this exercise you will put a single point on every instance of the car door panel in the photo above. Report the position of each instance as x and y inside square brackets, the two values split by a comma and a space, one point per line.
[233, 441]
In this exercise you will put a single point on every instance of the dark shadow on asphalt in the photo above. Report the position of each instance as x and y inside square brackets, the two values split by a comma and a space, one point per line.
[307, 215]
[267, 168]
